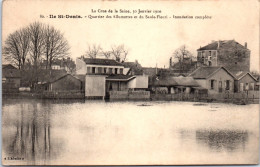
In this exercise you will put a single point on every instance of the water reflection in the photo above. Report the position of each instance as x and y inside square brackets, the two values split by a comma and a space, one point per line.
[217, 140]
[31, 139]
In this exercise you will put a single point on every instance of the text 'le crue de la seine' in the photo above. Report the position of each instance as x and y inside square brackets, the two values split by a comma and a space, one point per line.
[125, 14]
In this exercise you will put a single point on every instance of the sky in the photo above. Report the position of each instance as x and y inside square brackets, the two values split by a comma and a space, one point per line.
[150, 41]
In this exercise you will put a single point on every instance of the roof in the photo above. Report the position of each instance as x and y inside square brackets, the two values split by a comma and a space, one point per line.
[185, 81]
[119, 77]
[50, 75]
[164, 81]
[149, 71]
[8, 66]
[205, 72]
[174, 81]
[11, 73]
[240, 74]
[222, 44]
[106, 62]
[64, 77]
[135, 67]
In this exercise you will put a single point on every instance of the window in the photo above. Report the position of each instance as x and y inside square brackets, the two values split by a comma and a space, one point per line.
[93, 69]
[209, 53]
[241, 88]
[220, 86]
[121, 70]
[110, 70]
[105, 70]
[247, 86]
[116, 70]
[251, 86]
[88, 70]
[99, 70]
[214, 53]
[227, 84]
[211, 84]
[210, 64]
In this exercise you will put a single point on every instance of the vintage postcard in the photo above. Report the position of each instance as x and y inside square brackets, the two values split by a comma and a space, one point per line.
[130, 82]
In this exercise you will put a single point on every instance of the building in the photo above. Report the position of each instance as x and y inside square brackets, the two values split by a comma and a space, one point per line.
[244, 81]
[105, 75]
[173, 85]
[226, 53]
[66, 64]
[215, 79]
[65, 83]
[11, 78]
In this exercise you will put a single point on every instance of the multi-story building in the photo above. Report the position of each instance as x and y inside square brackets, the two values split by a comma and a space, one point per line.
[102, 76]
[228, 53]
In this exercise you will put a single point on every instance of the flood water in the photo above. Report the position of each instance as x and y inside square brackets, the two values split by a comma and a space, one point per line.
[96, 132]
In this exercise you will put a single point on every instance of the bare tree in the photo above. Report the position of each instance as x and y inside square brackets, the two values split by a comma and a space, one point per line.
[17, 47]
[36, 30]
[93, 51]
[55, 46]
[181, 54]
[119, 53]
[107, 54]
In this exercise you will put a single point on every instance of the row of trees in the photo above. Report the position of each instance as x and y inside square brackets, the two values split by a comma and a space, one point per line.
[34, 48]
[119, 53]
[34, 43]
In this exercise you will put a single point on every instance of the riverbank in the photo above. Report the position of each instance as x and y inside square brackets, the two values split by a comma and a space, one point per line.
[241, 99]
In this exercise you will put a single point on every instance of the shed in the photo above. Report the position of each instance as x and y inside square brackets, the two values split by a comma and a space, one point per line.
[65, 83]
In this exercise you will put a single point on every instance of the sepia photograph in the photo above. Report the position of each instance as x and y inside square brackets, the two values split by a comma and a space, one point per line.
[145, 82]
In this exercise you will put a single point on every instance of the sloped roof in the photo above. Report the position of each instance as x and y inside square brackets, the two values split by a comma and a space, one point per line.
[97, 61]
[50, 75]
[185, 81]
[57, 79]
[149, 71]
[222, 44]
[164, 81]
[8, 66]
[120, 77]
[240, 74]
[205, 72]
[11, 73]
[134, 66]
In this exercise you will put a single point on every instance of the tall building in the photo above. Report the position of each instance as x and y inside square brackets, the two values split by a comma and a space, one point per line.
[226, 53]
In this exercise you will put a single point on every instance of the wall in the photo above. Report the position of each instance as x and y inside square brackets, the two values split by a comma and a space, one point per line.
[95, 85]
[68, 83]
[221, 75]
[11, 84]
[202, 82]
[234, 61]
[126, 95]
[140, 81]
[246, 79]
[207, 54]
[81, 68]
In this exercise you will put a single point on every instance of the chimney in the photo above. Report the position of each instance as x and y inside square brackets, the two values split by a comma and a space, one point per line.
[170, 63]
[218, 43]
[156, 70]
[246, 45]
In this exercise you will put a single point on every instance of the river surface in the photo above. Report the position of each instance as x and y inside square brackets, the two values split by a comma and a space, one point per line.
[41, 132]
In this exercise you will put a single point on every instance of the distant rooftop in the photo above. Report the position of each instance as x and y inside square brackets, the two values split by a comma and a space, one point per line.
[106, 62]
[222, 44]
[205, 72]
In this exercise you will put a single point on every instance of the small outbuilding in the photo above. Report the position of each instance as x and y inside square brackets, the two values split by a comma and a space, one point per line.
[11, 78]
[64, 83]
[244, 81]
